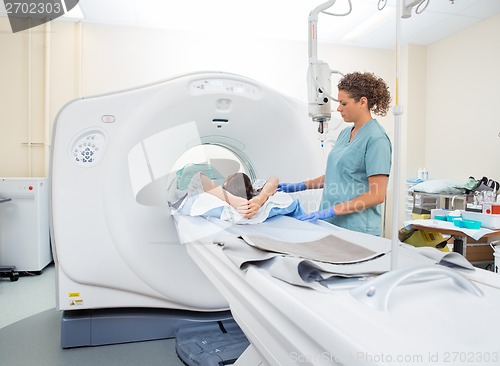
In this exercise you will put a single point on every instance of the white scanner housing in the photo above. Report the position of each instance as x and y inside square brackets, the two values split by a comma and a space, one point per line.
[113, 155]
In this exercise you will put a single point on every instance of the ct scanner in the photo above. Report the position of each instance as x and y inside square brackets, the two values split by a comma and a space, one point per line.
[114, 240]
[127, 269]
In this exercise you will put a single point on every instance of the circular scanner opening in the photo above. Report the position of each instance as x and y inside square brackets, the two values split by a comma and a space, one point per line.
[221, 158]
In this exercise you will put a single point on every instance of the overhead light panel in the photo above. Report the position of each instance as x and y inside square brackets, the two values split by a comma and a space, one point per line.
[372, 23]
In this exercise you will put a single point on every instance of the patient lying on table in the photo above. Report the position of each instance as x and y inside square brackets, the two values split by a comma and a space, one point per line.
[237, 200]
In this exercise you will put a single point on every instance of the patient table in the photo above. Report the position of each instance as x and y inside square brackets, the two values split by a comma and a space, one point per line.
[434, 317]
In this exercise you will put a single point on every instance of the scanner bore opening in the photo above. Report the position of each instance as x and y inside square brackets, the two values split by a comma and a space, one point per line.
[223, 158]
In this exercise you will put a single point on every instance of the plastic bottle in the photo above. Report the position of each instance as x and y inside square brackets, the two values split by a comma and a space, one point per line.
[425, 174]
[420, 174]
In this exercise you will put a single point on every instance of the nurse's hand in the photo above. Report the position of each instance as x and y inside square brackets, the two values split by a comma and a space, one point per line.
[318, 215]
[291, 187]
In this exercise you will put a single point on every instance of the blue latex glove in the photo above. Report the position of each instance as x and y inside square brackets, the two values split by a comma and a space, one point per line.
[291, 187]
[318, 215]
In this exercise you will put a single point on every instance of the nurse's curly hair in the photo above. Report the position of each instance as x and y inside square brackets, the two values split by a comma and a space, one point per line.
[371, 87]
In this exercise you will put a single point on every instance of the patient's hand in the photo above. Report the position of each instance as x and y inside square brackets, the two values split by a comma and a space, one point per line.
[253, 206]
[255, 203]
[240, 204]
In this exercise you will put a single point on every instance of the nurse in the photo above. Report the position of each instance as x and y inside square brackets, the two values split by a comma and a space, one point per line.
[358, 166]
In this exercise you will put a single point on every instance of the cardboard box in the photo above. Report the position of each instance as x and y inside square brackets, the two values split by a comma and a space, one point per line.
[479, 252]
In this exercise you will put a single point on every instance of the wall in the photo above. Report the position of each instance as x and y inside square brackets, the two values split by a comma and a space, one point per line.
[89, 59]
[21, 98]
[413, 99]
[462, 125]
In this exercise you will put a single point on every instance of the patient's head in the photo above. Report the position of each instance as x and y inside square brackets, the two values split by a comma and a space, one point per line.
[240, 185]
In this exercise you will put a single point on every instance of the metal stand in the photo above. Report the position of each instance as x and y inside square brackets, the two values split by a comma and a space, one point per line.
[8, 271]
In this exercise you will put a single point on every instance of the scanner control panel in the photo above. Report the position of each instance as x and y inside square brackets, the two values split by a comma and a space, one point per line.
[88, 148]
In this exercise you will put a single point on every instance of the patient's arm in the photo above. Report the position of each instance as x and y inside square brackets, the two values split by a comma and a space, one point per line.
[209, 186]
[256, 202]
[247, 208]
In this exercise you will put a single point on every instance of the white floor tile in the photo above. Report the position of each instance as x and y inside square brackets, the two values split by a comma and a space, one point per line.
[27, 296]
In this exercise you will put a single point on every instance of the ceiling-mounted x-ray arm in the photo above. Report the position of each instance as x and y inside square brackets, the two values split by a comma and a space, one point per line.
[408, 6]
[318, 73]
[313, 23]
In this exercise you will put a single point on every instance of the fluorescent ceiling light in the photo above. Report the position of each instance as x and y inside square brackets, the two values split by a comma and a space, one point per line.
[370, 24]
[75, 13]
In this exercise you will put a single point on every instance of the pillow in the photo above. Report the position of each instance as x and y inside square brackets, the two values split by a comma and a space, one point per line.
[440, 186]
[185, 174]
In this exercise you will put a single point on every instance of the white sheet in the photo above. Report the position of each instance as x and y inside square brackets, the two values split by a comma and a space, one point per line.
[439, 224]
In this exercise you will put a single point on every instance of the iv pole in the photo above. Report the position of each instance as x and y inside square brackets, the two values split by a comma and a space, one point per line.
[397, 111]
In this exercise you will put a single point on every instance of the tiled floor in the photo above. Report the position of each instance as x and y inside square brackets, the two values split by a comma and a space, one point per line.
[30, 332]
[27, 296]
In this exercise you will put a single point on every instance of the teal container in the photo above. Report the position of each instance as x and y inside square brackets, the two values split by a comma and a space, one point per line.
[472, 224]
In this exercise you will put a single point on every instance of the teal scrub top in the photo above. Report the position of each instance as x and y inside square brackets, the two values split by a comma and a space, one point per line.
[349, 165]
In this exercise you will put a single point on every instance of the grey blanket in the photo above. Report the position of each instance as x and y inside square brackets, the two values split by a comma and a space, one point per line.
[331, 255]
